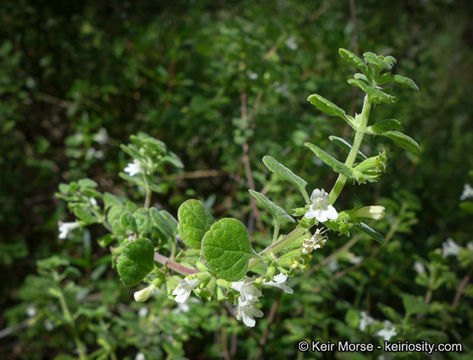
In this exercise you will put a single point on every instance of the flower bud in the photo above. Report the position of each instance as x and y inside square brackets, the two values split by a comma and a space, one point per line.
[144, 294]
[373, 212]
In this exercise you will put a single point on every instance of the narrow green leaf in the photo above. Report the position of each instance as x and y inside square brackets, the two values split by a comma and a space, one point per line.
[227, 250]
[110, 200]
[277, 212]
[351, 58]
[136, 261]
[279, 169]
[384, 125]
[87, 183]
[345, 145]
[376, 94]
[161, 224]
[403, 141]
[406, 82]
[336, 165]
[326, 106]
[194, 221]
[370, 231]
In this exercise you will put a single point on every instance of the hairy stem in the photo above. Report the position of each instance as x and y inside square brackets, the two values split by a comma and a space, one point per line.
[171, 264]
[360, 132]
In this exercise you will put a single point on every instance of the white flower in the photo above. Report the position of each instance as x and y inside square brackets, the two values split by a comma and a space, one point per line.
[450, 247]
[315, 242]
[332, 266]
[94, 153]
[143, 312]
[320, 208]
[251, 75]
[93, 202]
[419, 267]
[467, 192]
[66, 227]
[291, 43]
[140, 356]
[469, 246]
[184, 289]
[31, 311]
[365, 321]
[387, 332]
[144, 294]
[355, 260]
[134, 168]
[102, 136]
[246, 311]
[278, 281]
[247, 290]
[181, 308]
[48, 324]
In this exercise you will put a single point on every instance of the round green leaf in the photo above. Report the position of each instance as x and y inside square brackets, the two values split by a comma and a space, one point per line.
[194, 221]
[136, 261]
[227, 250]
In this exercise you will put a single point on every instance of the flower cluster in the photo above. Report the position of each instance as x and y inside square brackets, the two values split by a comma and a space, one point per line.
[246, 309]
[315, 242]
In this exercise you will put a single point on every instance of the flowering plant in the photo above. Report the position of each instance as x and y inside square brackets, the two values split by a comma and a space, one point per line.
[215, 258]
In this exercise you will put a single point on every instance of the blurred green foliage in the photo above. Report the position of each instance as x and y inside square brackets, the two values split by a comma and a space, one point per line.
[222, 83]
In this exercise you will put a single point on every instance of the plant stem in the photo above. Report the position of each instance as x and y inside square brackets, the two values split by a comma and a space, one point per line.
[278, 245]
[360, 132]
[173, 265]
[70, 320]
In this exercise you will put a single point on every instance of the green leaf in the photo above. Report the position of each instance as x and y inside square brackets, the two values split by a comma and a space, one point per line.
[171, 221]
[127, 221]
[227, 250]
[143, 220]
[194, 221]
[406, 82]
[279, 169]
[136, 261]
[403, 141]
[413, 305]
[87, 183]
[84, 216]
[110, 200]
[277, 212]
[173, 159]
[370, 231]
[331, 161]
[376, 94]
[345, 145]
[326, 106]
[351, 58]
[161, 224]
[379, 61]
[384, 125]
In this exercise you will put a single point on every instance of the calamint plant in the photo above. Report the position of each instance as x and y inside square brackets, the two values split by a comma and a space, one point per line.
[213, 259]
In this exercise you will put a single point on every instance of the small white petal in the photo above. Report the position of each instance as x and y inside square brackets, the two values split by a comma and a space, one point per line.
[332, 213]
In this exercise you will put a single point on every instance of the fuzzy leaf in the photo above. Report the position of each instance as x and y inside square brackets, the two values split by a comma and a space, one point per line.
[370, 231]
[277, 212]
[136, 261]
[384, 125]
[279, 169]
[351, 58]
[326, 106]
[194, 221]
[403, 141]
[227, 250]
[331, 161]
[345, 146]
[406, 82]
